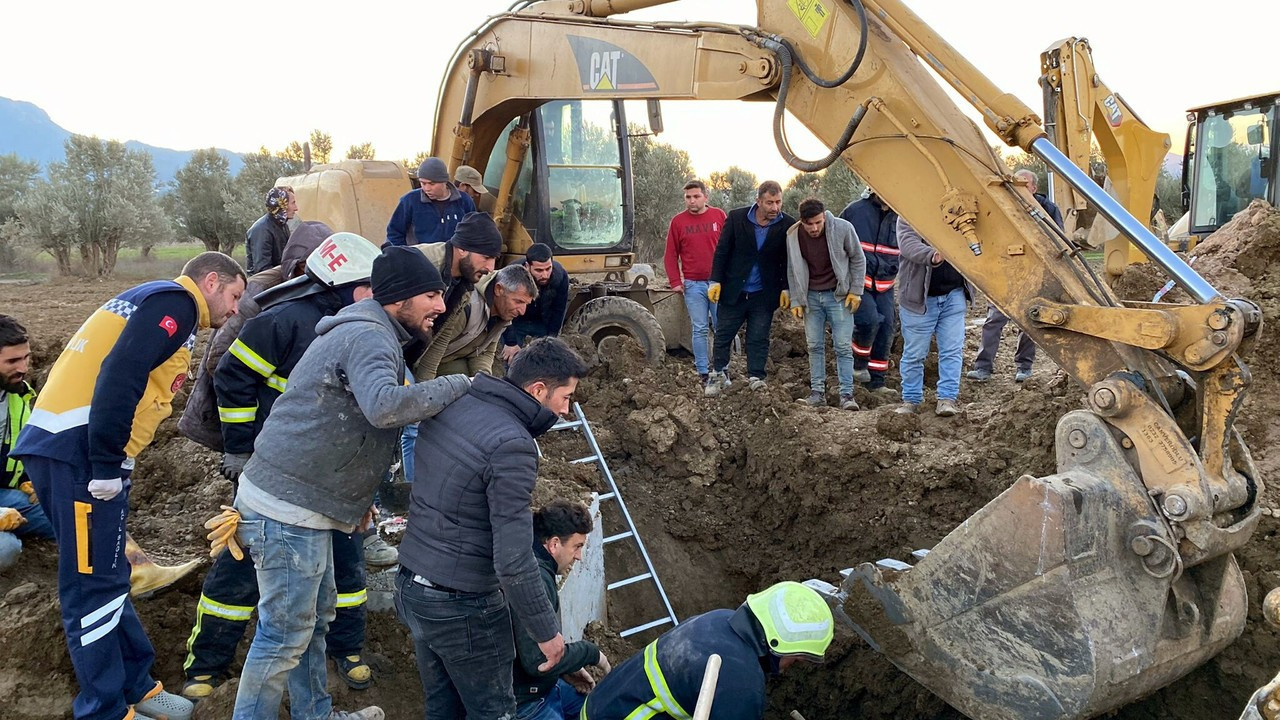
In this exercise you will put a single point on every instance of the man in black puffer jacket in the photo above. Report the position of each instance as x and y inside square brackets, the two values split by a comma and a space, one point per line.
[468, 547]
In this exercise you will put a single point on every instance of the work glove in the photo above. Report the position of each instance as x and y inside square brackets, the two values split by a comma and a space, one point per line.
[852, 302]
[784, 301]
[223, 535]
[11, 519]
[30, 491]
[798, 312]
[233, 464]
[105, 489]
[713, 292]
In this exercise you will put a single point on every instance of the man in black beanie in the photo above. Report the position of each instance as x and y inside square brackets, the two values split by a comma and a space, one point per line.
[321, 454]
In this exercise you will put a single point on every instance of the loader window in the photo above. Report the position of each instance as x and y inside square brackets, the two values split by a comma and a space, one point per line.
[1232, 156]
[584, 173]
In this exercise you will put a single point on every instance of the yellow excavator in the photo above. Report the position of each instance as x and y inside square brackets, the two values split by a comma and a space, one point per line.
[1068, 595]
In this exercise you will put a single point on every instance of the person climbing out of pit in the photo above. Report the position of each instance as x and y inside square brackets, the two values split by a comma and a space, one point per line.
[249, 378]
[107, 393]
[766, 635]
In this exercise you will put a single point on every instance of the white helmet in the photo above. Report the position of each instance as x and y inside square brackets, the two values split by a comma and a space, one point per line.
[343, 258]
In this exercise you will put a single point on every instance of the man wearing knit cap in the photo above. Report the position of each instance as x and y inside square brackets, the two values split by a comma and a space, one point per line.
[431, 213]
[320, 456]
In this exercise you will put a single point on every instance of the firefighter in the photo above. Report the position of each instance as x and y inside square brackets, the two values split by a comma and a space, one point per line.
[876, 224]
[767, 634]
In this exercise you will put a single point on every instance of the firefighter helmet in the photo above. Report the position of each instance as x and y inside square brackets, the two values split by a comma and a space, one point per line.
[795, 619]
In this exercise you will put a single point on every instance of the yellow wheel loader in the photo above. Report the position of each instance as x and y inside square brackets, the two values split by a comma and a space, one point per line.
[1066, 596]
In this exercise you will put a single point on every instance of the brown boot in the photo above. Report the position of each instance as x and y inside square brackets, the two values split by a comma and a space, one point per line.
[147, 578]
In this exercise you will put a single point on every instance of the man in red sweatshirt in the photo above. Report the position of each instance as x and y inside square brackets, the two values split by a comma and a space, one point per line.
[691, 243]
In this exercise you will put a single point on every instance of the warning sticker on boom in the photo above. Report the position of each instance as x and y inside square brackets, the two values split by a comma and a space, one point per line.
[812, 13]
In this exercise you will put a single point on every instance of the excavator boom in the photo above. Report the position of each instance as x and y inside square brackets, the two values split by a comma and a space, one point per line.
[1068, 595]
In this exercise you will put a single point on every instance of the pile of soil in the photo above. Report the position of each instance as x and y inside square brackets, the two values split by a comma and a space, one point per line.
[730, 495]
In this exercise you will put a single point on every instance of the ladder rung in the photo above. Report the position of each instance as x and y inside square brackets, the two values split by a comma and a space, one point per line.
[567, 425]
[628, 581]
[619, 536]
[590, 458]
[646, 626]
[607, 496]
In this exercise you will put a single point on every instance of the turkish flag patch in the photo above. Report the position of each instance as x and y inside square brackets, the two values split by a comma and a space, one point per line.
[177, 383]
[169, 325]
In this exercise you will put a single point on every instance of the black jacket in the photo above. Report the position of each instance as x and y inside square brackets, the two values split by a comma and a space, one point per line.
[529, 684]
[255, 369]
[1050, 207]
[264, 244]
[877, 231]
[470, 526]
[547, 311]
[736, 254]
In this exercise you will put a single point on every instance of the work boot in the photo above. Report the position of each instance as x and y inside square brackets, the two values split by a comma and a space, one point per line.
[862, 375]
[907, 408]
[199, 687]
[702, 379]
[946, 407]
[1022, 376]
[715, 383]
[162, 705]
[848, 403]
[147, 578]
[378, 553]
[979, 375]
[817, 398]
[355, 672]
[885, 392]
[756, 383]
[373, 712]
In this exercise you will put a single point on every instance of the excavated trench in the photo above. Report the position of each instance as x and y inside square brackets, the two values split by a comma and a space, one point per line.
[729, 495]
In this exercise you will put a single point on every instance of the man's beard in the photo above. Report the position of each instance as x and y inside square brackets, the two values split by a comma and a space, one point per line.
[12, 385]
[468, 269]
[414, 329]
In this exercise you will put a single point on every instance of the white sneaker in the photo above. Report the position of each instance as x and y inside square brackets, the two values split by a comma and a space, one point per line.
[715, 383]
[373, 712]
[756, 383]
[162, 705]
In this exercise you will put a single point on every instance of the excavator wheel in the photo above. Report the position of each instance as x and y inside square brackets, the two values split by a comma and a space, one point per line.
[614, 315]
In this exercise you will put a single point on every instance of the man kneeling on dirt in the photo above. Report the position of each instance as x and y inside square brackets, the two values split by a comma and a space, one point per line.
[108, 392]
[559, 534]
[20, 513]
[466, 553]
[316, 464]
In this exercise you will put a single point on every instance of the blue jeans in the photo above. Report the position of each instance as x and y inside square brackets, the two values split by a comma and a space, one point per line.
[298, 597]
[37, 525]
[944, 317]
[700, 308]
[561, 703]
[10, 549]
[824, 308]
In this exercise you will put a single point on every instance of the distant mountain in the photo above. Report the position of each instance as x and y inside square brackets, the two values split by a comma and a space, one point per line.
[29, 132]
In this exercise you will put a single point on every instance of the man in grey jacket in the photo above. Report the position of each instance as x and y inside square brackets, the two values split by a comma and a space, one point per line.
[825, 268]
[316, 463]
[467, 553]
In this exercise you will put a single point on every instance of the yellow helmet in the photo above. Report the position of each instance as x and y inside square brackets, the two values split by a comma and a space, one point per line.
[795, 619]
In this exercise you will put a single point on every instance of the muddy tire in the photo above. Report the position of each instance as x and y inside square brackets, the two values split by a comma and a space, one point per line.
[613, 315]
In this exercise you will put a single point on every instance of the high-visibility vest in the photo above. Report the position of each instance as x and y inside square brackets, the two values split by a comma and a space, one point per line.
[18, 408]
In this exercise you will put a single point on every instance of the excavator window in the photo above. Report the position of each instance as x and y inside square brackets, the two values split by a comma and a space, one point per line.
[1232, 164]
[581, 145]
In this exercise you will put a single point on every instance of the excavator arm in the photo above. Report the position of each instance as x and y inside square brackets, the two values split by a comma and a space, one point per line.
[1067, 595]
[1079, 108]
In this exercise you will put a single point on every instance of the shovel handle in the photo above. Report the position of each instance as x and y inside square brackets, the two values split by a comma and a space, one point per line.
[705, 695]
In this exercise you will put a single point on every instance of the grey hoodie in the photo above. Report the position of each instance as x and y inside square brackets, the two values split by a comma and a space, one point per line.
[847, 260]
[332, 435]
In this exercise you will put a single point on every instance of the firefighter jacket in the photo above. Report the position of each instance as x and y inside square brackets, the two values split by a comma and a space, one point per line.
[16, 409]
[877, 229]
[114, 382]
[663, 681]
[255, 369]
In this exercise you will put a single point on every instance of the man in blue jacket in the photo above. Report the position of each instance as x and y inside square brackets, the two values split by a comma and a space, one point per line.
[767, 634]
[545, 316]
[466, 561]
[430, 213]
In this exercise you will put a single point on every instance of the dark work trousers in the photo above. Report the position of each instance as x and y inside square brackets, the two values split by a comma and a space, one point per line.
[992, 328]
[465, 649]
[109, 649]
[756, 310]
[873, 326]
[230, 593]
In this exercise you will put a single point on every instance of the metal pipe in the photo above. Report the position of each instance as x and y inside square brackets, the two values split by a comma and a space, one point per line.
[605, 8]
[1175, 267]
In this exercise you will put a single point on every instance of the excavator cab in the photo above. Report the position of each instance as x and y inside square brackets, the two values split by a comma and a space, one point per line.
[1229, 159]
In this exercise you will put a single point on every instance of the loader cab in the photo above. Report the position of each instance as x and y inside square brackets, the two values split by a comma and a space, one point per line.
[574, 190]
[1229, 159]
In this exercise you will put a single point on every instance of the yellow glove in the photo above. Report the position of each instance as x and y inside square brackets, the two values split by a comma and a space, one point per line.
[223, 536]
[784, 301]
[798, 312]
[713, 292]
[852, 302]
[10, 519]
[30, 491]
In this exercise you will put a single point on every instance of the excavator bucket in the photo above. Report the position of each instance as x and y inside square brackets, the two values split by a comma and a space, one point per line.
[146, 578]
[1062, 598]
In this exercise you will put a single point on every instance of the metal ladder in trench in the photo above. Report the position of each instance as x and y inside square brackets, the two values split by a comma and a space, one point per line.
[596, 456]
